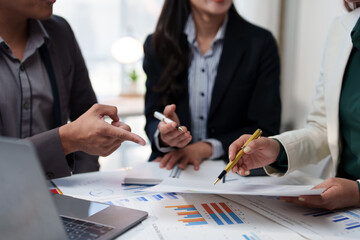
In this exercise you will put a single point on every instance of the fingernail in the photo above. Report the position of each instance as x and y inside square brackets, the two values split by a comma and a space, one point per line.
[229, 156]
[302, 199]
[247, 149]
[247, 173]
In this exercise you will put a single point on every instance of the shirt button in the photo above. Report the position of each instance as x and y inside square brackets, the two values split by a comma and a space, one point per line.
[202, 94]
[203, 69]
[26, 105]
[212, 130]
[201, 117]
[22, 68]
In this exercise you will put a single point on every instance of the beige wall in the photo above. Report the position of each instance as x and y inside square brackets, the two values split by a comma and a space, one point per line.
[302, 45]
[300, 28]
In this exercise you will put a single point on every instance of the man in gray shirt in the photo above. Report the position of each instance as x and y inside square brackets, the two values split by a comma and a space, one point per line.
[44, 83]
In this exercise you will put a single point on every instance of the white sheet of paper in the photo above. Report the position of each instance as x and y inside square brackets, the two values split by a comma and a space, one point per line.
[202, 216]
[235, 188]
[97, 186]
[311, 223]
[151, 173]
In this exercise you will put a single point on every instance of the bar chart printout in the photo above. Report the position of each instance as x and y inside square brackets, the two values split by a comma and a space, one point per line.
[310, 223]
[347, 220]
[217, 212]
[220, 213]
[189, 215]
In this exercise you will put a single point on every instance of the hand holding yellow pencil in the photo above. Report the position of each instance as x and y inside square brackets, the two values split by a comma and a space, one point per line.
[231, 164]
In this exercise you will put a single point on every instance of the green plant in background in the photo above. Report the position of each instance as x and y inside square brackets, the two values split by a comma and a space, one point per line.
[133, 75]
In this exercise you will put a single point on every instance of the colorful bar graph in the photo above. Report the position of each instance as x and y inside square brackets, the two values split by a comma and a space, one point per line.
[191, 215]
[222, 214]
[231, 213]
[347, 221]
[188, 213]
[212, 214]
[182, 207]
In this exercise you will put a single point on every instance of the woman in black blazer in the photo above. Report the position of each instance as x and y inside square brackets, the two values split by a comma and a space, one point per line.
[214, 73]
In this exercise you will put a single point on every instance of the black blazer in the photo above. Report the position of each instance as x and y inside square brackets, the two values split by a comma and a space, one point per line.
[246, 93]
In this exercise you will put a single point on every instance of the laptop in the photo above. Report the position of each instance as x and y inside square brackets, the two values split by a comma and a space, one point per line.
[29, 211]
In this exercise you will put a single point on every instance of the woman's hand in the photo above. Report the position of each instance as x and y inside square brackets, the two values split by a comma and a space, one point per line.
[169, 134]
[192, 154]
[339, 193]
[258, 153]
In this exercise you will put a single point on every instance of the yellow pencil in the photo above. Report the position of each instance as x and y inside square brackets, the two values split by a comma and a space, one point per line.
[231, 164]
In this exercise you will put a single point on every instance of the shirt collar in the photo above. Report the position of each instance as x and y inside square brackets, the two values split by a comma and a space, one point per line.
[38, 36]
[190, 30]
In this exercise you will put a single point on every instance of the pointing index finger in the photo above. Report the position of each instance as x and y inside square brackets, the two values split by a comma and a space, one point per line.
[124, 135]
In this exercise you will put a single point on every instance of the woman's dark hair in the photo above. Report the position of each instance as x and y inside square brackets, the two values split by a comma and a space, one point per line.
[172, 48]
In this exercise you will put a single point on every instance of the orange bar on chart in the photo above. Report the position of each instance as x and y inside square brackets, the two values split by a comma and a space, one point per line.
[188, 213]
[192, 220]
[182, 206]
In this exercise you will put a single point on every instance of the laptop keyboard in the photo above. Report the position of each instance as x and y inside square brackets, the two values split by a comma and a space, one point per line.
[82, 230]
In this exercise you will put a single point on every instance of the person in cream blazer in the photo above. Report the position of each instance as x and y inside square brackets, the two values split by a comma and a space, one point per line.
[321, 137]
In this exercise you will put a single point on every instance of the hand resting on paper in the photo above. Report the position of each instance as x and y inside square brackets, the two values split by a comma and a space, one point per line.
[339, 193]
[192, 154]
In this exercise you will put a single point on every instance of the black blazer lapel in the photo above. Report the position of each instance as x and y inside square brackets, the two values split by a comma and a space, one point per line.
[230, 58]
[61, 85]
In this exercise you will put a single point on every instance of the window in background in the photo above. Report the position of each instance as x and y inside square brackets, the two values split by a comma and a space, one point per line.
[98, 25]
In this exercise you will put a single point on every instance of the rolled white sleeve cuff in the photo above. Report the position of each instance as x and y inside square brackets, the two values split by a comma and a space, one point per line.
[157, 143]
[217, 147]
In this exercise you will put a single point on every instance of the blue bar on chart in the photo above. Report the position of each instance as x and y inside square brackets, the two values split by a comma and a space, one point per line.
[142, 199]
[212, 214]
[135, 188]
[171, 195]
[231, 213]
[340, 218]
[319, 213]
[253, 237]
[222, 214]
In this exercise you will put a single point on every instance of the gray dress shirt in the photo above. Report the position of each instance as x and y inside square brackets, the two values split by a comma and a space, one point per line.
[26, 100]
